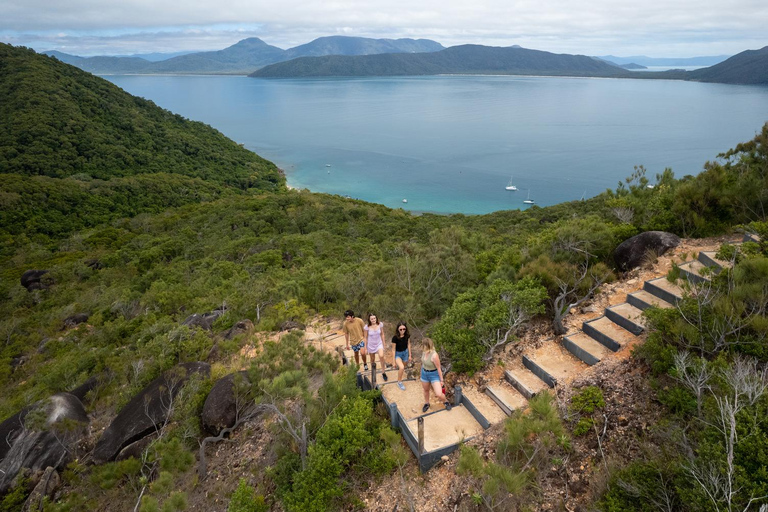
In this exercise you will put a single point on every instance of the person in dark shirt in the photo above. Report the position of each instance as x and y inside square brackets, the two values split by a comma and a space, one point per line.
[402, 351]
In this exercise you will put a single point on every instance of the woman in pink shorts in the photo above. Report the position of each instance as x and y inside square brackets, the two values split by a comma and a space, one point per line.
[374, 340]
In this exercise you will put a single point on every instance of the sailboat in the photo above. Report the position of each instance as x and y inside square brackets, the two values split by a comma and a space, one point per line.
[528, 200]
[510, 186]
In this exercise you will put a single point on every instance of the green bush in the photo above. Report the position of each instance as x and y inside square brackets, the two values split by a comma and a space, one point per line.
[245, 499]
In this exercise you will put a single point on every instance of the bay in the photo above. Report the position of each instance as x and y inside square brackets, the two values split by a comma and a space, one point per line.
[450, 144]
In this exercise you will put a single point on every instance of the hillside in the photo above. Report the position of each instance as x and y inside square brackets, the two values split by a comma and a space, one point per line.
[84, 140]
[749, 68]
[146, 317]
[245, 56]
[454, 60]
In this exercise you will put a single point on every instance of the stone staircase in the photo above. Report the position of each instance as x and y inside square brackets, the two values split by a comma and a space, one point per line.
[440, 431]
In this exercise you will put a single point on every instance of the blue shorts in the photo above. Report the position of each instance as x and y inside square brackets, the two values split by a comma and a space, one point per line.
[427, 376]
[360, 345]
[403, 356]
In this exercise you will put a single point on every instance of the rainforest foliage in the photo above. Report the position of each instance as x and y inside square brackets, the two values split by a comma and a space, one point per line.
[139, 243]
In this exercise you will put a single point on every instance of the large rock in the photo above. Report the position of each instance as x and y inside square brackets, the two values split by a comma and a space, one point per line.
[75, 320]
[10, 429]
[220, 408]
[146, 412]
[51, 431]
[632, 252]
[241, 327]
[204, 320]
[33, 280]
[45, 488]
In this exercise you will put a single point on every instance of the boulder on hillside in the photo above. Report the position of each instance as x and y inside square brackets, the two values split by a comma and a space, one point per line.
[631, 252]
[146, 412]
[220, 408]
[204, 320]
[48, 437]
[89, 385]
[10, 429]
[48, 484]
[290, 325]
[241, 327]
[75, 320]
[33, 280]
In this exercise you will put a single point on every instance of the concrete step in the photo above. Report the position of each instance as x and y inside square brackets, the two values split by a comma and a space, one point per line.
[643, 300]
[586, 348]
[695, 271]
[410, 401]
[607, 332]
[485, 405]
[506, 397]
[553, 364]
[446, 428]
[709, 258]
[525, 381]
[628, 316]
[663, 289]
[390, 373]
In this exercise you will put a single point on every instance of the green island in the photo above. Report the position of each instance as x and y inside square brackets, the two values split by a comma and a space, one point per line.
[142, 249]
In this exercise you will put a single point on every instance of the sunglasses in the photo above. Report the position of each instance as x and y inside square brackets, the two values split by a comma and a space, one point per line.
[401, 329]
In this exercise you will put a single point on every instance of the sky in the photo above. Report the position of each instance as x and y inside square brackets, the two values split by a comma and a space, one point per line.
[656, 28]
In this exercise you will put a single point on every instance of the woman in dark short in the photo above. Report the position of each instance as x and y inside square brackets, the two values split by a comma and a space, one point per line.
[401, 340]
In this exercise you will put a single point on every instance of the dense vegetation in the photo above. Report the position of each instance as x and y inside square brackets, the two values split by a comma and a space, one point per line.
[76, 151]
[138, 265]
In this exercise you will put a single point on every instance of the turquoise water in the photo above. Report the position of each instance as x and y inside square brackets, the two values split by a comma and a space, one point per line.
[451, 144]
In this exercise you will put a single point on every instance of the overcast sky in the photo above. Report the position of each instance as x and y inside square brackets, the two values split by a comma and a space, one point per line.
[656, 28]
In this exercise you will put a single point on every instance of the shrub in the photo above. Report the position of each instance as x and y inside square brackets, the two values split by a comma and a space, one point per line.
[245, 499]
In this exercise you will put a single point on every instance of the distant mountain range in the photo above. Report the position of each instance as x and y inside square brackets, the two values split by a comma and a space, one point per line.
[642, 60]
[465, 59]
[749, 67]
[245, 56]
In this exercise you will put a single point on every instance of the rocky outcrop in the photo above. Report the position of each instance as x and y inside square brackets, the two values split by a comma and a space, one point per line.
[290, 325]
[45, 488]
[33, 280]
[204, 320]
[220, 408]
[241, 327]
[632, 252]
[146, 412]
[75, 320]
[48, 436]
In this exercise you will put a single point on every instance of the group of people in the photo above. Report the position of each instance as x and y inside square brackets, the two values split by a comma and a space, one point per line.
[367, 339]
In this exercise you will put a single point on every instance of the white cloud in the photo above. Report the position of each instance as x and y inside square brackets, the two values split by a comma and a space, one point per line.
[660, 28]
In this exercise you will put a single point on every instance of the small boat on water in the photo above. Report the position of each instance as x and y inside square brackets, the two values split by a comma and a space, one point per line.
[529, 200]
[327, 165]
[405, 200]
[510, 186]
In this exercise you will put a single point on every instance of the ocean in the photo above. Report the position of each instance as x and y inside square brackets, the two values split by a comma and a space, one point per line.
[451, 144]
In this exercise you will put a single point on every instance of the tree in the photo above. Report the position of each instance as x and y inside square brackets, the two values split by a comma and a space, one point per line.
[482, 320]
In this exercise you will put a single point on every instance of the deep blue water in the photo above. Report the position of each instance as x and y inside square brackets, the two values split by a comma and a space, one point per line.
[451, 144]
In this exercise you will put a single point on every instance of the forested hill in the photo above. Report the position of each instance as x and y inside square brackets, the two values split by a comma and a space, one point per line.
[748, 67]
[96, 151]
[455, 60]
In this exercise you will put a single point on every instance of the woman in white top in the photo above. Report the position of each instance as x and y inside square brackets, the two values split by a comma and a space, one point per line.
[374, 340]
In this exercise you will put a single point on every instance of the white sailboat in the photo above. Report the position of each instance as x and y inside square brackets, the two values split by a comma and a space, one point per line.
[510, 186]
[528, 200]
